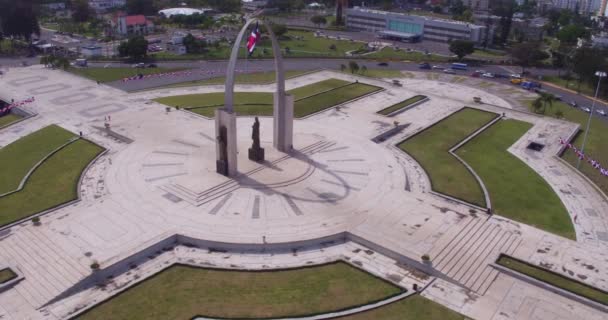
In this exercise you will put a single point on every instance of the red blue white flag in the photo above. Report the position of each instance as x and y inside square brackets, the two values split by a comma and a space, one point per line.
[253, 39]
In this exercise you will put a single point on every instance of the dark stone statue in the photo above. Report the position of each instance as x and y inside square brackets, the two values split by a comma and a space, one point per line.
[222, 141]
[256, 152]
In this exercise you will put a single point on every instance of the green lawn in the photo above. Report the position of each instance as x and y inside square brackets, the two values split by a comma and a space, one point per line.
[402, 104]
[413, 307]
[573, 84]
[430, 148]
[309, 45]
[554, 279]
[8, 119]
[113, 74]
[20, 156]
[596, 142]
[6, 275]
[489, 53]
[182, 292]
[260, 103]
[516, 191]
[242, 78]
[53, 183]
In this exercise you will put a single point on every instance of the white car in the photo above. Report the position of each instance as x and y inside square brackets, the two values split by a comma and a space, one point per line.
[437, 67]
[601, 112]
[449, 71]
[488, 75]
[586, 109]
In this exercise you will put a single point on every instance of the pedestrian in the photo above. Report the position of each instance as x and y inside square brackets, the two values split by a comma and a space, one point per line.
[81, 133]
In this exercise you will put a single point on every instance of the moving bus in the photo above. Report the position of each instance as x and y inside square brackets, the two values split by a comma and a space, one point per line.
[459, 66]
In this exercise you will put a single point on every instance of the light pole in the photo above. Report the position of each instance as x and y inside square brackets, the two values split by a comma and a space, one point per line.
[600, 75]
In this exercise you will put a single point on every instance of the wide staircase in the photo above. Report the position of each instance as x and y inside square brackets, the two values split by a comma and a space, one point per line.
[464, 253]
[48, 272]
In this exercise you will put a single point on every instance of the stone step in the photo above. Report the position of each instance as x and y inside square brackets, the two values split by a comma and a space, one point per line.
[455, 256]
[475, 272]
[477, 256]
[452, 233]
[457, 242]
[485, 283]
[464, 260]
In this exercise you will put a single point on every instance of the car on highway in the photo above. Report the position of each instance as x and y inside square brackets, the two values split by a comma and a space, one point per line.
[438, 67]
[586, 109]
[573, 104]
[139, 65]
[476, 74]
[383, 64]
[601, 112]
[424, 65]
[449, 71]
[488, 75]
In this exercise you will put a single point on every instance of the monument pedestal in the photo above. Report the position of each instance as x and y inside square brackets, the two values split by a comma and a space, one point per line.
[225, 127]
[256, 154]
[283, 122]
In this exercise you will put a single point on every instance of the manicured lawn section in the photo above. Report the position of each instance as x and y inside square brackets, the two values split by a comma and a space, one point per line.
[8, 119]
[585, 88]
[554, 279]
[20, 156]
[517, 192]
[488, 53]
[318, 87]
[241, 78]
[430, 148]
[113, 74]
[6, 275]
[260, 103]
[402, 104]
[53, 183]
[182, 292]
[312, 46]
[323, 101]
[413, 307]
[596, 146]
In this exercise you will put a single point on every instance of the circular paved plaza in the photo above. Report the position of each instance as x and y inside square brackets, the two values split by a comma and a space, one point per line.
[154, 199]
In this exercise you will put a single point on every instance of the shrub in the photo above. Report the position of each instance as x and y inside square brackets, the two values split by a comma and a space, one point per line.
[95, 266]
[36, 221]
[425, 257]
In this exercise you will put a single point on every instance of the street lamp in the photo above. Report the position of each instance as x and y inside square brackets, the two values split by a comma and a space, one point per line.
[600, 75]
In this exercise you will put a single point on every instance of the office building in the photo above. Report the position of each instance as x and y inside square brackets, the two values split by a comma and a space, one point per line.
[405, 27]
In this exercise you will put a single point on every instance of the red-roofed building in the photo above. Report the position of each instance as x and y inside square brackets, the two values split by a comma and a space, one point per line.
[125, 25]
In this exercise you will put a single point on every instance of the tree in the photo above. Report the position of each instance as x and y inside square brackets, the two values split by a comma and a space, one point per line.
[527, 54]
[193, 45]
[136, 48]
[279, 30]
[18, 18]
[226, 5]
[342, 67]
[570, 33]
[586, 61]
[80, 10]
[457, 8]
[547, 100]
[363, 69]
[462, 48]
[537, 104]
[353, 66]
[145, 7]
[318, 20]
[505, 9]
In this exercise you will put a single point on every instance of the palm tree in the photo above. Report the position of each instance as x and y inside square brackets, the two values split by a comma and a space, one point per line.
[547, 100]
[537, 104]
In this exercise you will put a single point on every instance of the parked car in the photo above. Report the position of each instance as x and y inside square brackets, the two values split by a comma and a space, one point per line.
[586, 109]
[601, 112]
[488, 75]
[449, 71]
[424, 66]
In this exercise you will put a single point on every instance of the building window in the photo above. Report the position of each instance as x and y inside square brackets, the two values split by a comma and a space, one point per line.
[404, 27]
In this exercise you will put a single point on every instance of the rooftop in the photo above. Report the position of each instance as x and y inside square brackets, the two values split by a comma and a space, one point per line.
[427, 18]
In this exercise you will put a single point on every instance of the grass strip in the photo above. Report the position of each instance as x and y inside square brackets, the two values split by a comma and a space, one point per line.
[309, 99]
[7, 275]
[554, 279]
[402, 104]
[8, 119]
[517, 192]
[414, 307]
[20, 156]
[241, 78]
[53, 183]
[182, 292]
[430, 148]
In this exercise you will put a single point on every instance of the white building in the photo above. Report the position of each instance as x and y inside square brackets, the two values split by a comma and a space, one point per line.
[131, 25]
[103, 5]
[90, 51]
[183, 11]
[401, 26]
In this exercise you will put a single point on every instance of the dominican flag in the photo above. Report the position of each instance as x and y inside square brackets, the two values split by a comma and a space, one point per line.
[253, 39]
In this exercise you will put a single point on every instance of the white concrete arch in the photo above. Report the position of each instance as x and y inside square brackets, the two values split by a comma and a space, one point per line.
[226, 117]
